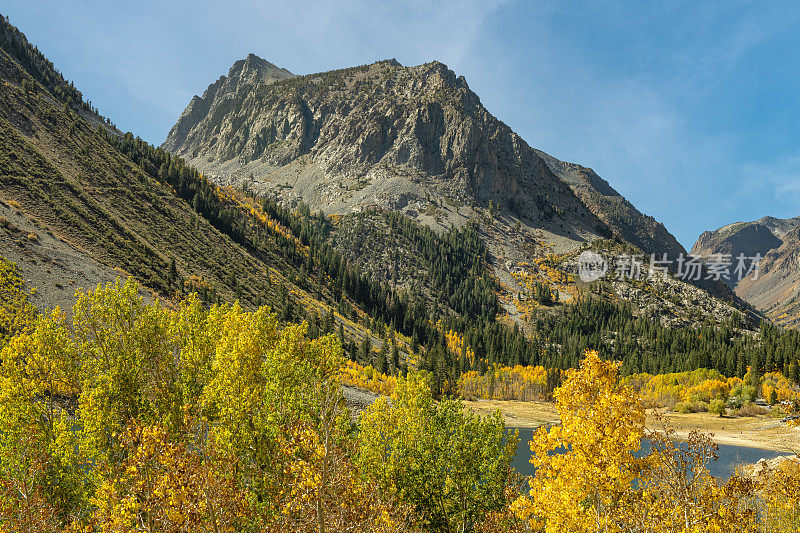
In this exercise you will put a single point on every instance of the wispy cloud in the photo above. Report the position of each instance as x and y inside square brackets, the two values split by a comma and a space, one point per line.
[776, 184]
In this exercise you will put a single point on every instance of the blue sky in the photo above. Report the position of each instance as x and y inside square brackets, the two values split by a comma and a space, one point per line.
[688, 109]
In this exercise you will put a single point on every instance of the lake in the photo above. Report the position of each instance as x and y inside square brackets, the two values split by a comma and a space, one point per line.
[729, 456]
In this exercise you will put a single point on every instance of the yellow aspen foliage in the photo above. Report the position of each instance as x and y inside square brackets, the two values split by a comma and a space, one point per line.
[196, 331]
[591, 474]
[130, 416]
[324, 490]
[236, 397]
[780, 493]
[170, 486]
[457, 346]
[133, 416]
[41, 364]
[26, 504]
[17, 315]
[696, 387]
[694, 390]
[678, 492]
[523, 383]
[586, 466]
[784, 389]
[39, 379]
[127, 368]
[366, 377]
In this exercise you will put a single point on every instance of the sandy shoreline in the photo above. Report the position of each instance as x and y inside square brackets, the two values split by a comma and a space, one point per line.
[754, 432]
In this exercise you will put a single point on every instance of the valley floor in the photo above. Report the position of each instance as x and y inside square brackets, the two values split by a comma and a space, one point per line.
[753, 431]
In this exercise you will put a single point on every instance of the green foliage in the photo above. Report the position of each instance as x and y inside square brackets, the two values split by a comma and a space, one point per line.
[457, 261]
[717, 407]
[133, 413]
[123, 361]
[773, 397]
[451, 465]
[542, 293]
[694, 406]
[742, 394]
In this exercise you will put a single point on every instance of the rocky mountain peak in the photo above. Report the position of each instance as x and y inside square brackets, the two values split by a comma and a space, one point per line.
[414, 139]
[392, 62]
[749, 238]
[440, 75]
[245, 73]
[779, 226]
[254, 69]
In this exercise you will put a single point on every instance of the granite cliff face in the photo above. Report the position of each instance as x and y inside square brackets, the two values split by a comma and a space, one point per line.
[414, 139]
[776, 289]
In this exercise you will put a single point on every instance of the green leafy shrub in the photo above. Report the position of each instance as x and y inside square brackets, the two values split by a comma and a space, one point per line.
[717, 407]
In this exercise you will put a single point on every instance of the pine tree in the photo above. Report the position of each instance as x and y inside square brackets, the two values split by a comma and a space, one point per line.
[794, 371]
[173, 271]
[395, 356]
[366, 348]
[755, 371]
[380, 363]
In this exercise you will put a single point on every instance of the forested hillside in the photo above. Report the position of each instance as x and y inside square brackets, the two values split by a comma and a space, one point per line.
[58, 169]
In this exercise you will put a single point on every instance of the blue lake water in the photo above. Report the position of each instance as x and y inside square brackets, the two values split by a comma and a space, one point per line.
[729, 456]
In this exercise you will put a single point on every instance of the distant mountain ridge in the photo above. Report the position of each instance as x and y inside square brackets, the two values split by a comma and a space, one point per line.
[381, 145]
[402, 154]
[759, 236]
[776, 290]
